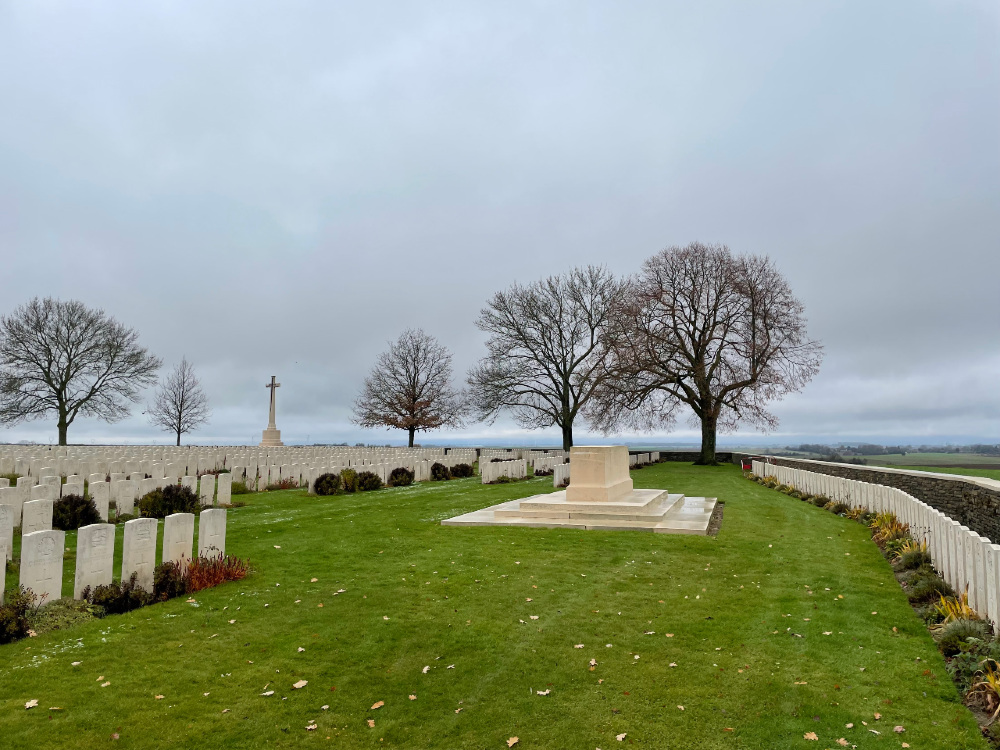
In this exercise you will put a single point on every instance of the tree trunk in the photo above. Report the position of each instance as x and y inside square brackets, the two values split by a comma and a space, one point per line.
[63, 425]
[413, 431]
[708, 428]
[178, 438]
[567, 430]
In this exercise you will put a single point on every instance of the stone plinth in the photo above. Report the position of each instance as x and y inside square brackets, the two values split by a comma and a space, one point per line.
[600, 474]
[271, 438]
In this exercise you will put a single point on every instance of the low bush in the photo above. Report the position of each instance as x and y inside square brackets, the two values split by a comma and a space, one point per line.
[840, 508]
[124, 517]
[205, 572]
[288, 483]
[72, 511]
[350, 479]
[499, 460]
[952, 636]
[401, 477]
[174, 498]
[913, 559]
[327, 484]
[368, 481]
[168, 581]
[927, 588]
[240, 488]
[14, 622]
[820, 501]
[502, 479]
[544, 472]
[118, 598]
[461, 471]
[440, 472]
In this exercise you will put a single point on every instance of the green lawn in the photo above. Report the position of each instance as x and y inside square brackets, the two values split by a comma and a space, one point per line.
[731, 628]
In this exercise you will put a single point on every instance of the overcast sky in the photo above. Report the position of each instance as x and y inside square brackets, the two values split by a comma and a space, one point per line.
[282, 188]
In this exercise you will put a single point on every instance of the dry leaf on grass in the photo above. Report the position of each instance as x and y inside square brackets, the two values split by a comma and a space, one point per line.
[543, 692]
[413, 697]
[31, 704]
[512, 741]
[681, 708]
[621, 737]
[313, 580]
[267, 693]
[898, 730]
[425, 670]
[810, 736]
[300, 684]
[371, 722]
[310, 727]
[158, 697]
[378, 705]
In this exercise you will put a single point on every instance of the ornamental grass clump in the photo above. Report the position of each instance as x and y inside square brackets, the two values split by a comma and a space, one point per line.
[72, 511]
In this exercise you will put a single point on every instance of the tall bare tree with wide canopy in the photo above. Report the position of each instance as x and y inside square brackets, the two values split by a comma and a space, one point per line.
[543, 361]
[66, 359]
[409, 388]
[180, 405]
[700, 327]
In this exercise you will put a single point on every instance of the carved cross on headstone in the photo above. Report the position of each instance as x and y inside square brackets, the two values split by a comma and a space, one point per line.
[272, 385]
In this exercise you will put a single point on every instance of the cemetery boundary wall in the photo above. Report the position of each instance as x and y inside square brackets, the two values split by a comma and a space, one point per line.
[972, 501]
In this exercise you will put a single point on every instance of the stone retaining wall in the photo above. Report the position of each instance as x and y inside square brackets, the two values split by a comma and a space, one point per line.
[972, 501]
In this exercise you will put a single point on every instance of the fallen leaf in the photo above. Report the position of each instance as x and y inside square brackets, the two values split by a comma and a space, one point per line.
[76, 664]
[842, 742]
[371, 722]
[621, 736]
[31, 704]
[425, 670]
[877, 716]
[310, 727]
[810, 736]
[301, 649]
[313, 580]
[158, 697]
[378, 705]
[543, 692]
[512, 741]
[268, 692]
[300, 684]
[413, 697]
[105, 684]
[533, 617]
[457, 710]
[681, 708]
[579, 645]
[898, 730]
[670, 635]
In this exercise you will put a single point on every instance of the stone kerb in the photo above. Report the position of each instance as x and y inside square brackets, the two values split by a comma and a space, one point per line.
[212, 533]
[36, 515]
[139, 551]
[95, 553]
[42, 563]
[178, 538]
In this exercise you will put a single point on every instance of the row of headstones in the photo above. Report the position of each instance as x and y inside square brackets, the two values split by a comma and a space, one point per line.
[641, 458]
[514, 469]
[544, 463]
[967, 561]
[42, 552]
[560, 475]
[31, 507]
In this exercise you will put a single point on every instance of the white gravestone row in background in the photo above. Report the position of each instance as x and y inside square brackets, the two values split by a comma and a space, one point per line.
[42, 551]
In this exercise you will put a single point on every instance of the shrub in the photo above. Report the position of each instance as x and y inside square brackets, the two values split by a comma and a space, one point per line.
[288, 483]
[840, 508]
[955, 634]
[913, 559]
[14, 623]
[174, 498]
[240, 488]
[124, 517]
[498, 460]
[327, 484]
[546, 472]
[401, 477]
[118, 598]
[368, 481]
[986, 691]
[926, 588]
[168, 581]
[350, 479]
[502, 479]
[461, 471]
[820, 501]
[439, 472]
[72, 511]
[205, 572]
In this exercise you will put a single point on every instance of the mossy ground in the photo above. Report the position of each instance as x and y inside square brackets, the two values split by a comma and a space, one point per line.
[788, 622]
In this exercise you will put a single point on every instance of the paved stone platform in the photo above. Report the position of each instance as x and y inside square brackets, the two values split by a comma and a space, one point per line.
[641, 510]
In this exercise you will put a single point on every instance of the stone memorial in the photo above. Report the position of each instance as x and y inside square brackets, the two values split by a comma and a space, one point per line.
[600, 496]
[178, 538]
[42, 563]
[212, 533]
[36, 515]
[271, 435]
[139, 551]
[95, 553]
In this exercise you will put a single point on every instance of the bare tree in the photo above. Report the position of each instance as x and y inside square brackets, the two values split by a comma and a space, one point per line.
[721, 334]
[543, 361]
[409, 387]
[180, 404]
[66, 359]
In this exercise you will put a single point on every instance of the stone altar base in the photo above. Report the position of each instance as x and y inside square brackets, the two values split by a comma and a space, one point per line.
[600, 497]
[271, 438]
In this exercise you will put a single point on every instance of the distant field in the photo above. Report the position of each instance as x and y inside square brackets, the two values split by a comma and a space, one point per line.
[953, 460]
[988, 473]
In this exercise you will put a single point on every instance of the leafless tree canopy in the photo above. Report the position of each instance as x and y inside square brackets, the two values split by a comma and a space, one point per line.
[65, 359]
[543, 361]
[180, 405]
[721, 334]
[410, 387]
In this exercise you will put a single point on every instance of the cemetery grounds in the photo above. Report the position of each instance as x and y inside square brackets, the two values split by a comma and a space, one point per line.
[368, 624]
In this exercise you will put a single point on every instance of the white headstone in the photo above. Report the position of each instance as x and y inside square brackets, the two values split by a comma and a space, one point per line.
[95, 553]
[191, 483]
[14, 498]
[42, 563]
[100, 493]
[212, 533]
[207, 490]
[139, 551]
[72, 488]
[225, 492]
[6, 535]
[178, 538]
[36, 515]
[125, 497]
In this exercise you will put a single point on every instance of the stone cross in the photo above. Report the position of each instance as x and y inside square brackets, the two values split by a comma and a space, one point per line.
[272, 385]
